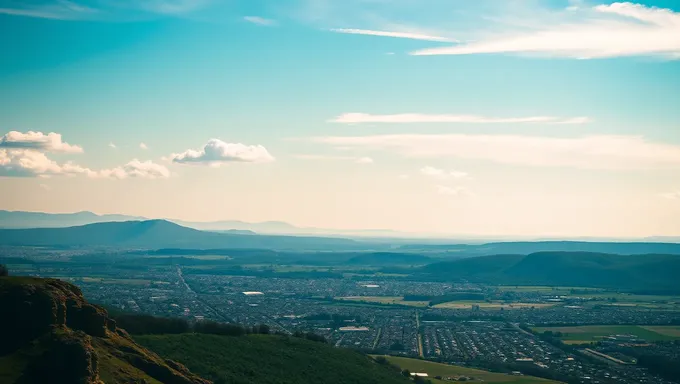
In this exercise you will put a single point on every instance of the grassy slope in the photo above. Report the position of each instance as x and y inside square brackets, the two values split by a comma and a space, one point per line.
[269, 359]
[445, 370]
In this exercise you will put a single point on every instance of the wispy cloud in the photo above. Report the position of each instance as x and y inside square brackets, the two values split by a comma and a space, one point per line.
[260, 21]
[134, 169]
[453, 191]
[358, 160]
[364, 160]
[612, 30]
[408, 118]
[112, 145]
[591, 152]
[442, 174]
[400, 35]
[59, 10]
[675, 195]
[100, 10]
[217, 152]
[143, 146]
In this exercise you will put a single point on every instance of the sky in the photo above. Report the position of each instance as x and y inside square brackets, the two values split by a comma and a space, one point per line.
[516, 118]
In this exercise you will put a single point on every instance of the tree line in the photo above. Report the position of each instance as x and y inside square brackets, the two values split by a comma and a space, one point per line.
[150, 325]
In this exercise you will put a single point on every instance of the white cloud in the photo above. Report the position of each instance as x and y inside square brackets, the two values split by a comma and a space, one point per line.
[135, 169]
[592, 152]
[38, 141]
[143, 146]
[613, 30]
[453, 191]
[675, 195]
[112, 145]
[401, 35]
[32, 163]
[364, 160]
[410, 118]
[260, 21]
[217, 152]
[442, 174]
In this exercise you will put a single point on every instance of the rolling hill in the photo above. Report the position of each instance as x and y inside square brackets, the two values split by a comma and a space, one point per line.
[643, 272]
[154, 234]
[50, 334]
[266, 359]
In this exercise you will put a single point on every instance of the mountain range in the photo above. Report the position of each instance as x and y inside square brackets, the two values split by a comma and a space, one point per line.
[154, 234]
[22, 220]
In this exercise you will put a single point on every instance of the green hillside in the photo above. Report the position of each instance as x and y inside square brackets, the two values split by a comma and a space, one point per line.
[263, 359]
[635, 272]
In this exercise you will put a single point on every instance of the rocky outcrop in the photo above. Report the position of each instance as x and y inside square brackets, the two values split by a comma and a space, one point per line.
[48, 323]
[31, 307]
[70, 358]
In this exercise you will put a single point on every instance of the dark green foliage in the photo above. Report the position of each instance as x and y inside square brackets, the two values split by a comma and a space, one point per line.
[3, 270]
[266, 359]
[150, 325]
[311, 336]
[389, 258]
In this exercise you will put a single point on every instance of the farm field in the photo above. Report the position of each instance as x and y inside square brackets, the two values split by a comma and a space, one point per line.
[593, 333]
[492, 305]
[384, 300]
[445, 370]
[547, 289]
[670, 331]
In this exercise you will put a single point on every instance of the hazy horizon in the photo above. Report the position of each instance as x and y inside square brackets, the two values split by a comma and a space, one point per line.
[544, 118]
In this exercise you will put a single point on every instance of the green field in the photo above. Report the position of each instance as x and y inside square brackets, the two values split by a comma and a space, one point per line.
[398, 300]
[492, 305]
[454, 371]
[593, 333]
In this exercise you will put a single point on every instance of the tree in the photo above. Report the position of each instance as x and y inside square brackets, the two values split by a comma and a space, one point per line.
[3, 270]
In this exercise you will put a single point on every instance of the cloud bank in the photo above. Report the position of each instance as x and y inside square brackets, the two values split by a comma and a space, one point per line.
[589, 152]
[38, 141]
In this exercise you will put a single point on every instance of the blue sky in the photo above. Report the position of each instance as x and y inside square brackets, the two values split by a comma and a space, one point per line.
[522, 117]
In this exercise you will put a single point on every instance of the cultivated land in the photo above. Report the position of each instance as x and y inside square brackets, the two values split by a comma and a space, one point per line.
[593, 333]
[492, 305]
[398, 300]
[445, 370]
